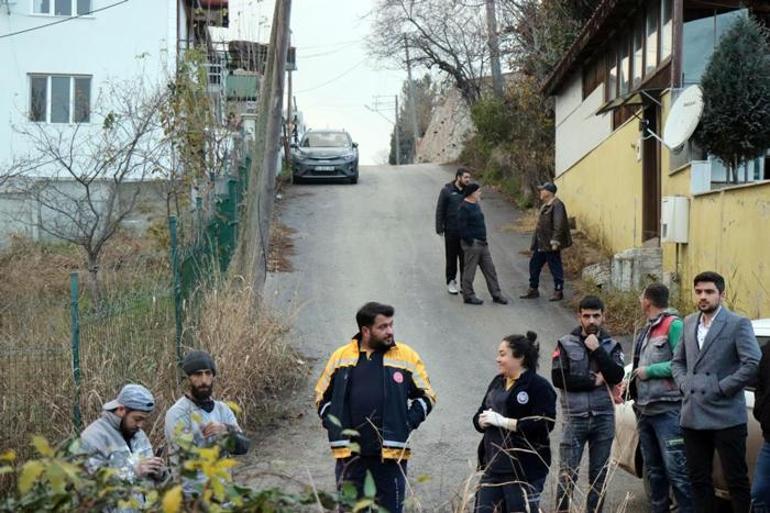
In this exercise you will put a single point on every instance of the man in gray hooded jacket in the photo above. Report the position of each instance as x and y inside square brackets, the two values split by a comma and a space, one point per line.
[116, 439]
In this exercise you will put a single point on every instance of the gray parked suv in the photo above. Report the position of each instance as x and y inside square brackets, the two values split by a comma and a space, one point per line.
[325, 155]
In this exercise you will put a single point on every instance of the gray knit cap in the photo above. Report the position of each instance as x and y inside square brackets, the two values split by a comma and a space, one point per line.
[195, 361]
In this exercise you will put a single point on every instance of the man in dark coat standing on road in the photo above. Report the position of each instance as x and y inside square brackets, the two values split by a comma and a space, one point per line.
[550, 237]
[449, 200]
[473, 237]
[717, 358]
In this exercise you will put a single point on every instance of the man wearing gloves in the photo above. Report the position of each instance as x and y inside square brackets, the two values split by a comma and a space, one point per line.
[199, 419]
[117, 441]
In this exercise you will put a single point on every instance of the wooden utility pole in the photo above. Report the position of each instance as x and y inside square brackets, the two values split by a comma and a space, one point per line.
[289, 124]
[412, 103]
[398, 138]
[494, 49]
[250, 260]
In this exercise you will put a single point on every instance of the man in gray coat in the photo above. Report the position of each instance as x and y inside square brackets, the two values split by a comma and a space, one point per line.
[719, 356]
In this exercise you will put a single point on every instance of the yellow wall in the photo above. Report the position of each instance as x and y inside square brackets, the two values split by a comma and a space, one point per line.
[729, 229]
[730, 234]
[603, 190]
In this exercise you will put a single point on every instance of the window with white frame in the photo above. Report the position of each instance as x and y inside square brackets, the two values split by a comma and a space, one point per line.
[60, 98]
[61, 7]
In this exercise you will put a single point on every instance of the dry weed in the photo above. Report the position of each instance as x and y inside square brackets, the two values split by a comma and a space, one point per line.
[256, 364]
[281, 248]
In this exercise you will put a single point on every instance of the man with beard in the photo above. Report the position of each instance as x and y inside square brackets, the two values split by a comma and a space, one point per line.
[372, 394]
[585, 364]
[718, 358]
[116, 439]
[449, 200]
[199, 419]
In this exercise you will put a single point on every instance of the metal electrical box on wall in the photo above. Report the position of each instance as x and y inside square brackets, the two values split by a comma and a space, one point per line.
[675, 219]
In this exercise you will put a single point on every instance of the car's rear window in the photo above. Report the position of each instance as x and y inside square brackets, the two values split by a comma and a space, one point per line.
[326, 140]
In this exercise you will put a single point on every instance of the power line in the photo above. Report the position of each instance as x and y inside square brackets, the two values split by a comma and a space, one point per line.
[333, 79]
[44, 25]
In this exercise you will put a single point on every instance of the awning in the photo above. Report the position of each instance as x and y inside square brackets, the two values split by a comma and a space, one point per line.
[640, 97]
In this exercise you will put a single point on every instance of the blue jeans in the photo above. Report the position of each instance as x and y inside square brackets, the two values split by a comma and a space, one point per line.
[502, 494]
[536, 263]
[760, 486]
[598, 432]
[389, 479]
[665, 463]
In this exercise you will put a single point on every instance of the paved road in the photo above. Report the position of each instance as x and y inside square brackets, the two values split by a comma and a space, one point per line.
[376, 241]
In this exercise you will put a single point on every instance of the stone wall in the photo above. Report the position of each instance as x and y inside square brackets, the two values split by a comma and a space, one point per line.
[449, 128]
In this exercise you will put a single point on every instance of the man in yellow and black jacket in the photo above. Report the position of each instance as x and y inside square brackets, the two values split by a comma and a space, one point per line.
[371, 395]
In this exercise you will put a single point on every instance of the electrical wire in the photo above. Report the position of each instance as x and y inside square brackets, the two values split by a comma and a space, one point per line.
[69, 18]
[319, 86]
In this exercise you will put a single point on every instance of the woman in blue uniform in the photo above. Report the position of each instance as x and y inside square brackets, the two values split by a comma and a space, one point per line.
[516, 417]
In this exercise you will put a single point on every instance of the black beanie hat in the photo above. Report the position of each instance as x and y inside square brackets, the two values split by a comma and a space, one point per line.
[195, 361]
[470, 189]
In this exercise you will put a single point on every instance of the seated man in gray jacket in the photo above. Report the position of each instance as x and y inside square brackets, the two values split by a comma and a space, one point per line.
[717, 358]
[201, 420]
[116, 439]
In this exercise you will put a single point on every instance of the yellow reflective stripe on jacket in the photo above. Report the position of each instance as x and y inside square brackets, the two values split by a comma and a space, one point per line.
[345, 356]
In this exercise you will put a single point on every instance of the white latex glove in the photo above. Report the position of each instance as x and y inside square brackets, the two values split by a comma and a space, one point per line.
[492, 418]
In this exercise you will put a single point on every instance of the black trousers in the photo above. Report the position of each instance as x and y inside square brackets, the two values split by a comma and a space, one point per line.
[730, 444]
[453, 252]
[389, 479]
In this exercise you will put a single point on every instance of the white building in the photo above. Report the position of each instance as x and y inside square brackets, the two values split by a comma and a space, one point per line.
[58, 56]
[58, 53]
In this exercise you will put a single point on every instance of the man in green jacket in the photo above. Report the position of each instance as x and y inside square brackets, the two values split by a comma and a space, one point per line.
[658, 402]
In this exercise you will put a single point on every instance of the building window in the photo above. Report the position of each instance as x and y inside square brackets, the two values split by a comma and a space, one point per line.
[593, 76]
[666, 29]
[612, 74]
[61, 7]
[637, 66]
[651, 50]
[59, 99]
[625, 66]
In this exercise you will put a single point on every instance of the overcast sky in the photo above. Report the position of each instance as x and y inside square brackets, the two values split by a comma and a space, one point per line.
[335, 79]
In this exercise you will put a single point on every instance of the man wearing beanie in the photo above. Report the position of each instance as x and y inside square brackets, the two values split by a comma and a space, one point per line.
[473, 239]
[198, 418]
[116, 440]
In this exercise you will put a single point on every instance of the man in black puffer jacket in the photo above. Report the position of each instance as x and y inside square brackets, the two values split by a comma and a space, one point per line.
[449, 200]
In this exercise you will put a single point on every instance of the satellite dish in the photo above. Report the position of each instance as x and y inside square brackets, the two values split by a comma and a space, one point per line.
[684, 117]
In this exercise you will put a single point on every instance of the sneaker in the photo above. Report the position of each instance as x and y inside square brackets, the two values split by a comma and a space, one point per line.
[473, 301]
[452, 288]
[530, 294]
[500, 300]
[558, 295]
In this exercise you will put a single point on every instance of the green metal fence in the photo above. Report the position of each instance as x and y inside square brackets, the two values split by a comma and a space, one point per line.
[75, 360]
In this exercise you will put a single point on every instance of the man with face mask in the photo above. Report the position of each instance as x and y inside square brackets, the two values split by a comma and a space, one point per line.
[200, 419]
[379, 390]
[585, 365]
[117, 441]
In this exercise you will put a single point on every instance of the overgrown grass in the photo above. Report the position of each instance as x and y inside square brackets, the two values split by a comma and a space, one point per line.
[130, 339]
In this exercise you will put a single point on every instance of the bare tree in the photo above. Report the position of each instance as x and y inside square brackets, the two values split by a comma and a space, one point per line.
[449, 35]
[73, 175]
